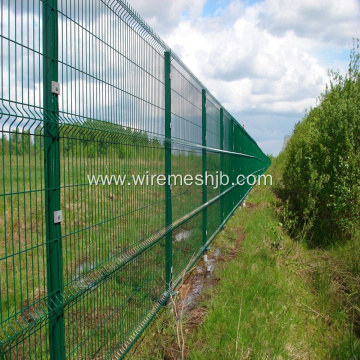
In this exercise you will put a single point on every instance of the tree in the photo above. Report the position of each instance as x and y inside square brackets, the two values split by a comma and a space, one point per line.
[322, 160]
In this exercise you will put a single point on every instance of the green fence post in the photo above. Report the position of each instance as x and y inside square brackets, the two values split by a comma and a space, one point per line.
[168, 204]
[204, 192]
[222, 163]
[52, 179]
[233, 162]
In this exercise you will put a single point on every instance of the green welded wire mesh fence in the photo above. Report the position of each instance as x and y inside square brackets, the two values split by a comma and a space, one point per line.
[87, 88]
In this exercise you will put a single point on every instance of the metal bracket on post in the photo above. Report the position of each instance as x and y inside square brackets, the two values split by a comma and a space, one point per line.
[55, 87]
[58, 217]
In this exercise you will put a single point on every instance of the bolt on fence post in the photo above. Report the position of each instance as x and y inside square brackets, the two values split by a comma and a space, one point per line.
[204, 188]
[168, 203]
[221, 163]
[52, 180]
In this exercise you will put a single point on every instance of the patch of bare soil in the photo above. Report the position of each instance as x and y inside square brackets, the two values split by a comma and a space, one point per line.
[251, 205]
[198, 285]
[195, 288]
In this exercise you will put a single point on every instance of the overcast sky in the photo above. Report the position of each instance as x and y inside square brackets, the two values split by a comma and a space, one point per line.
[265, 61]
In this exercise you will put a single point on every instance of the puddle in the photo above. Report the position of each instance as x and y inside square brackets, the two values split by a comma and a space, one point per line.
[183, 235]
[210, 267]
[84, 267]
[217, 252]
[201, 279]
[80, 278]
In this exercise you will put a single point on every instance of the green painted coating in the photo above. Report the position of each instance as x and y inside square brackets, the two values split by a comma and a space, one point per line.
[86, 288]
[52, 179]
[222, 187]
[204, 169]
[168, 204]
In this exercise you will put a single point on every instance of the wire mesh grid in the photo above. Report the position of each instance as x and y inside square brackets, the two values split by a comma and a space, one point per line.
[86, 287]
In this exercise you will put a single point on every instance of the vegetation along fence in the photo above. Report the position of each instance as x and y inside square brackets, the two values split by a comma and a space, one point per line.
[86, 87]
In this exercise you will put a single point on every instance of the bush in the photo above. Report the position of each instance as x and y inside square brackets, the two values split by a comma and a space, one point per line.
[321, 162]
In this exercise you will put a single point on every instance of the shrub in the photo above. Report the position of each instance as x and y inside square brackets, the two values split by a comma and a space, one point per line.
[321, 161]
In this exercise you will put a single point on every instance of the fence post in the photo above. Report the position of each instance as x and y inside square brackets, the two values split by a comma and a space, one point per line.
[204, 189]
[234, 164]
[168, 204]
[52, 179]
[222, 163]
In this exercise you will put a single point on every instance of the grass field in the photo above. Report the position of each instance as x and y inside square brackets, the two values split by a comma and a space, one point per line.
[101, 224]
[275, 299]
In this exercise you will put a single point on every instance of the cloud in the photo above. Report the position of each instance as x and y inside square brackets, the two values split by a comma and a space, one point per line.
[267, 60]
[165, 15]
[325, 20]
[247, 67]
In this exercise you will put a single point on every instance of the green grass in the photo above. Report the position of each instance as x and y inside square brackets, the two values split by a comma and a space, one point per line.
[99, 224]
[276, 299]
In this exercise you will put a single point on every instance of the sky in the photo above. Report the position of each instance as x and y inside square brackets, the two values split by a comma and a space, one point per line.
[266, 61]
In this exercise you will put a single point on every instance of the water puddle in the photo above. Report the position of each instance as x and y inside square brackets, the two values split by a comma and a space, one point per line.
[183, 235]
[201, 279]
[80, 274]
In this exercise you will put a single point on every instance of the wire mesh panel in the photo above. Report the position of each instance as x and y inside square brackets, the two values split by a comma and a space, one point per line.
[23, 253]
[93, 107]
